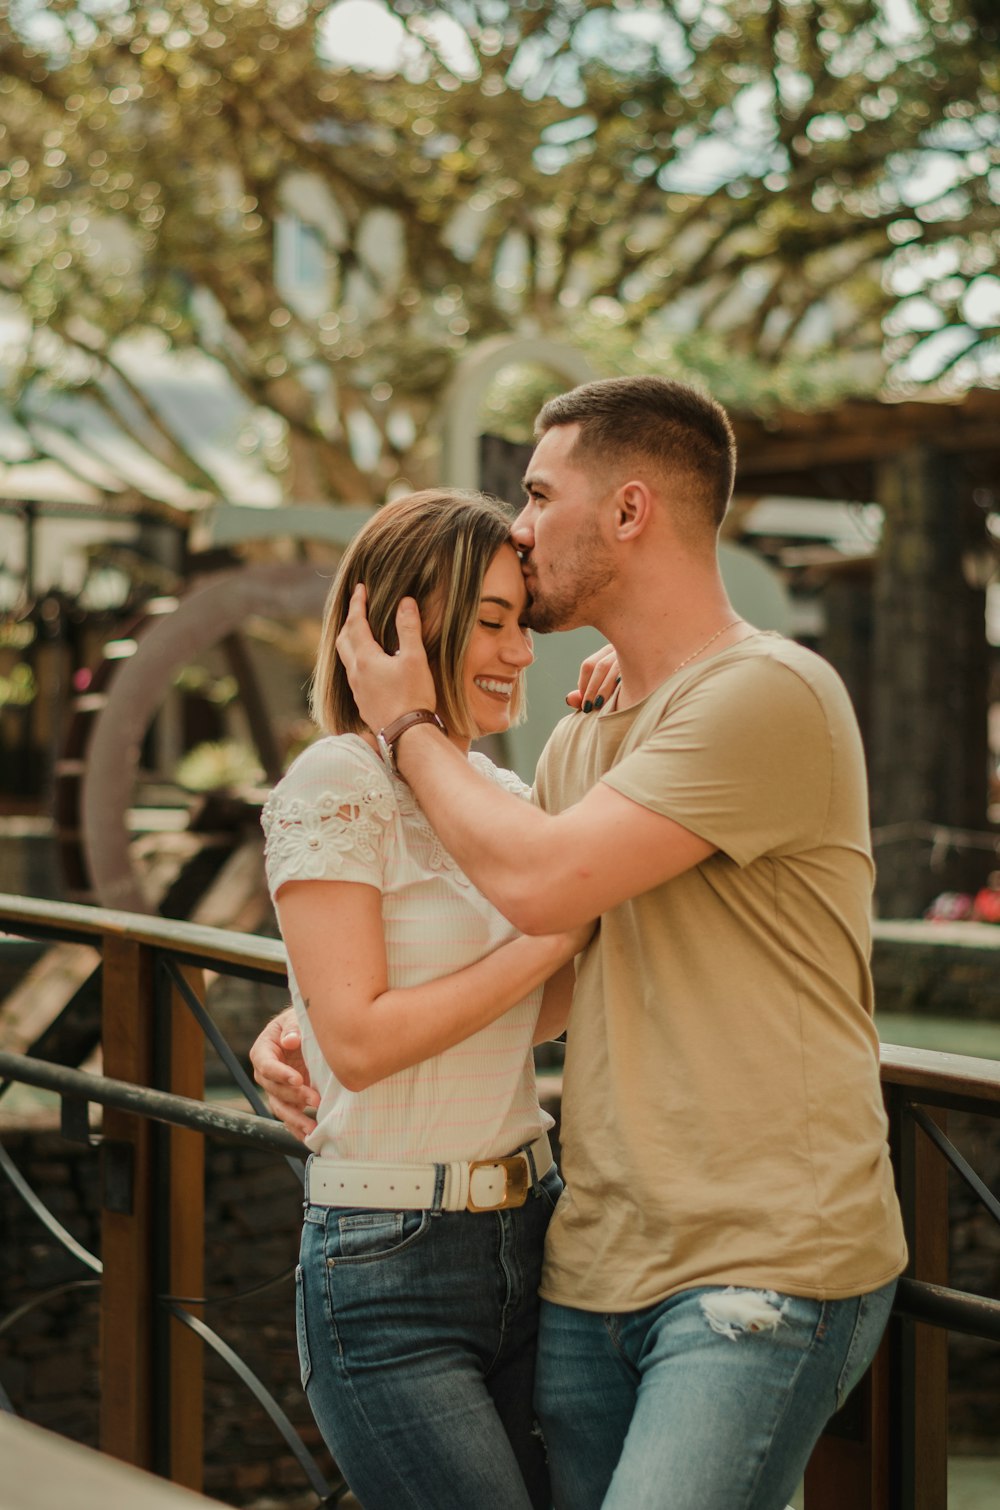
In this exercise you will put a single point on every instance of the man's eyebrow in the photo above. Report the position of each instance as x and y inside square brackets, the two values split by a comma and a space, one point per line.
[533, 483]
[500, 602]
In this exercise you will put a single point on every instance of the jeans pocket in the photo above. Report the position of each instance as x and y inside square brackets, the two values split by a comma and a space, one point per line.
[551, 1187]
[301, 1333]
[367, 1236]
[870, 1322]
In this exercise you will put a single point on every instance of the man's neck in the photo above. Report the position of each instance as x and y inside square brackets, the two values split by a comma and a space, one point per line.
[655, 639]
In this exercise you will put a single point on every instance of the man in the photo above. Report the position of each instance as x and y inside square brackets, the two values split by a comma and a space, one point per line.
[722, 1263]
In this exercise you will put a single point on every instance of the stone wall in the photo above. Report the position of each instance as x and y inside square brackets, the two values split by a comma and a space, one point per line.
[938, 969]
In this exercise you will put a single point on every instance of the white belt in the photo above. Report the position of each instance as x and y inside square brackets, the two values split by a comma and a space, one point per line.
[483, 1185]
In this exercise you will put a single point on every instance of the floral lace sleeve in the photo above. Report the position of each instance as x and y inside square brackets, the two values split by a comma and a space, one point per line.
[328, 817]
[509, 780]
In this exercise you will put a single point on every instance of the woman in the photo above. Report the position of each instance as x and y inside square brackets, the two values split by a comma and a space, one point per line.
[431, 1182]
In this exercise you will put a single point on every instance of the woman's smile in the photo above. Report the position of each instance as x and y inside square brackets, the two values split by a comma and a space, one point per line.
[495, 687]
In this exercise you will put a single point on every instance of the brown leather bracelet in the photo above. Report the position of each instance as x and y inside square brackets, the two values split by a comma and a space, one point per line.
[387, 737]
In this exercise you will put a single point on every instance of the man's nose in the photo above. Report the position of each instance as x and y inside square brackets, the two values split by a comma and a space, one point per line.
[522, 530]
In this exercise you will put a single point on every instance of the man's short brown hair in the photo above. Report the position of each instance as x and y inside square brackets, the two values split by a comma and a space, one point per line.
[684, 434]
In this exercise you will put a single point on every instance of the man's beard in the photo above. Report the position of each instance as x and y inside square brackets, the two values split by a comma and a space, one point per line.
[567, 604]
[556, 611]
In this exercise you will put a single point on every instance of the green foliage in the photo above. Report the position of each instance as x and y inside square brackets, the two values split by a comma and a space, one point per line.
[18, 689]
[16, 634]
[220, 690]
[792, 198]
[218, 765]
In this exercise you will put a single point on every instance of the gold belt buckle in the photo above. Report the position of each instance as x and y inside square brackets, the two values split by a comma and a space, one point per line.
[517, 1182]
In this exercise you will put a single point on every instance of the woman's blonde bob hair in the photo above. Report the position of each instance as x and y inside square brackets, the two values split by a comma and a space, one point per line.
[436, 547]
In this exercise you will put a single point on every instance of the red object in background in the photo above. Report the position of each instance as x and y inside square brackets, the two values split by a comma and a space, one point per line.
[986, 905]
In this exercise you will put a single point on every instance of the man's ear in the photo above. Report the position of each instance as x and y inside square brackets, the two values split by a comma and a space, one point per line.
[632, 510]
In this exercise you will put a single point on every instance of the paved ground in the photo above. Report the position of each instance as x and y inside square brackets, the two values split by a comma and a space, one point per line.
[973, 1484]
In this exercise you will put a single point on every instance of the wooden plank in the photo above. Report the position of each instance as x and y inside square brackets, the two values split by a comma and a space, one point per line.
[926, 1070]
[863, 431]
[53, 1471]
[186, 1198]
[126, 1347]
[238, 898]
[37, 999]
[784, 452]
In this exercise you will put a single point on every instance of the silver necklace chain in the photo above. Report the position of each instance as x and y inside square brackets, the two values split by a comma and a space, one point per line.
[710, 641]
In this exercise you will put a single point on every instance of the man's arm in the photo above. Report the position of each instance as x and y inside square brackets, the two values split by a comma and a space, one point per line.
[544, 872]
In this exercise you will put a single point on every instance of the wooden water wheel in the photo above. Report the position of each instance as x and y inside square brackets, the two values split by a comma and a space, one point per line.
[101, 768]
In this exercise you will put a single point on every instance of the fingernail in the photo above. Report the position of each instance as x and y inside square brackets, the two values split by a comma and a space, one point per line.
[587, 707]
[598, 702]
[617, 680]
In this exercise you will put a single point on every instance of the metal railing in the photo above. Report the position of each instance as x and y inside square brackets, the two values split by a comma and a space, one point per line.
[152, 1027]
[887, 1450]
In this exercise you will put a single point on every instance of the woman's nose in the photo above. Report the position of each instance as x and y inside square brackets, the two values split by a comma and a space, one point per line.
[518, 651]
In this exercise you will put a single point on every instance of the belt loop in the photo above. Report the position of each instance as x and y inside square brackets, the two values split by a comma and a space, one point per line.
[460, 1179]
[532, 1170]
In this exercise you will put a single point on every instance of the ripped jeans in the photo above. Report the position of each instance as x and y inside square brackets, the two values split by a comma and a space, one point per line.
[710, 1400]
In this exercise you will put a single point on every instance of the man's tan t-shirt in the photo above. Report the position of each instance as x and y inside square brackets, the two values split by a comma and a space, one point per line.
[722, 1121]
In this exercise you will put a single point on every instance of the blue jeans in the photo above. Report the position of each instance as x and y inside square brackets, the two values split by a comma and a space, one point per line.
[417, 1333]
[710, 1400]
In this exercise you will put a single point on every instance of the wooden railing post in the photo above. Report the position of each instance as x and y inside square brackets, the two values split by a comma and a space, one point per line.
[920, 1367]
[849, 1466]
[127, 1322]
[153, 1225]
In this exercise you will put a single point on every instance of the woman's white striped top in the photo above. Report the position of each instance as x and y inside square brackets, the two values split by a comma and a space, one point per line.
[339, 815]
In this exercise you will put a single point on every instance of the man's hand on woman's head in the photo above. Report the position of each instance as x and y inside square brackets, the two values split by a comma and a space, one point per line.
[280, 1071]
[385, 686]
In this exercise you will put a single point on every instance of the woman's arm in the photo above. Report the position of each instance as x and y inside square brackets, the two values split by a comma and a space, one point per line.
[366, 1029]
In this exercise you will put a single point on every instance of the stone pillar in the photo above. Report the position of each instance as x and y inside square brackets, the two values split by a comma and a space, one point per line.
[928, 699]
